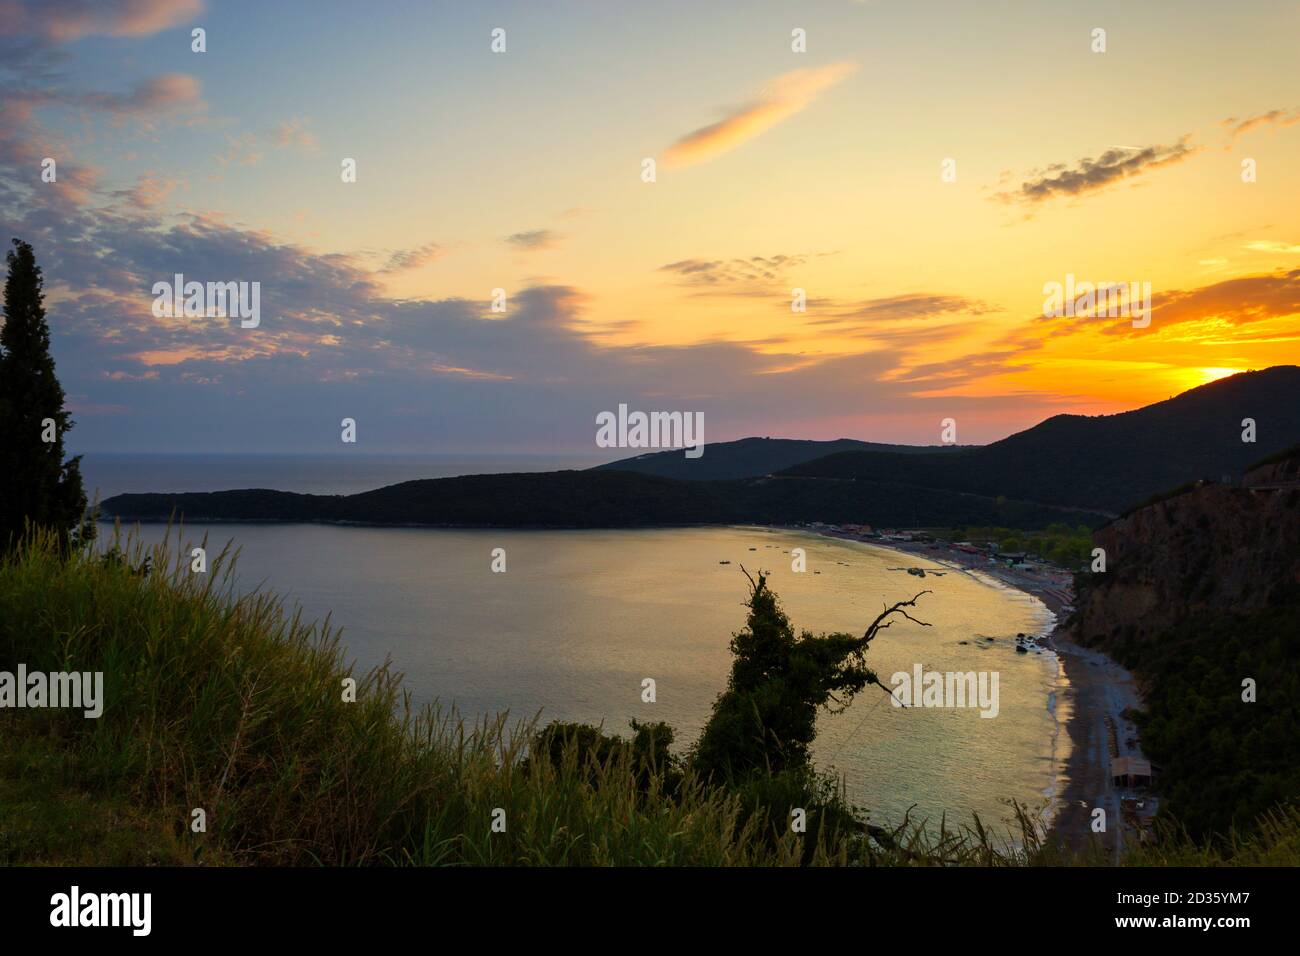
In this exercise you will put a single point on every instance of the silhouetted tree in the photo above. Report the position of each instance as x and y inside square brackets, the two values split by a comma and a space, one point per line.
[765, 721]
[36, 484]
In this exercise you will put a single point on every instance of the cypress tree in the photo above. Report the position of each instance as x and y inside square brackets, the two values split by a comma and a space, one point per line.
[36, 484]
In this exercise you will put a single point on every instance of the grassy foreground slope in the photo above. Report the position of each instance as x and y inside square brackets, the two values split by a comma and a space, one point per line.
[234, 707]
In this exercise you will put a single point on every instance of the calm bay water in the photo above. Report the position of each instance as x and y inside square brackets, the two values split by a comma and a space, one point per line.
[581, 617]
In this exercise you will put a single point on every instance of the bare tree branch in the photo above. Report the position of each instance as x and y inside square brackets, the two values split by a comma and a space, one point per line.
[752, 585]
[881, 622]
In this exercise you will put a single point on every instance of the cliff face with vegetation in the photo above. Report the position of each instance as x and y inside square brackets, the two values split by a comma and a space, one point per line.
[1277, 471]
[1201, 598]
[1210, 549]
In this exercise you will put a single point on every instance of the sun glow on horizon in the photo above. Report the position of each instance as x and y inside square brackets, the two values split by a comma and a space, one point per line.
[1207, 375]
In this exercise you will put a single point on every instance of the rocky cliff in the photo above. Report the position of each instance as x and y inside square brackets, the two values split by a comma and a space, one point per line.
[1201, 599]
[1210, 548]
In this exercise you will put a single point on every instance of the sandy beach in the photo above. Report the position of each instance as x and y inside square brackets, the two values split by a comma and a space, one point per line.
[1095, 689]
[1093, 694]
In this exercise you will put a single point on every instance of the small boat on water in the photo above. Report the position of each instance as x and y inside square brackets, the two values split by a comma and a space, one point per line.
[919, 572]
[724, 562]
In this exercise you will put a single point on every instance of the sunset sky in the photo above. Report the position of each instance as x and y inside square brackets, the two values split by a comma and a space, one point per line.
[522, 170]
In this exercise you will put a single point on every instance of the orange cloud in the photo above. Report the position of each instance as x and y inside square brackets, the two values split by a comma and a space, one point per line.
[1273, 117]
[782, 98]
[74, 19]
[149, 191]
[295, 133]
[158, 94]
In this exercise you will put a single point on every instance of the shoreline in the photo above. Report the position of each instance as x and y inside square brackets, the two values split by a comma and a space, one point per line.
[1090, 689]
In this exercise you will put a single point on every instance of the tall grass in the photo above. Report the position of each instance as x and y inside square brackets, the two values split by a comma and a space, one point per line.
[1274, 840]
[234, 705]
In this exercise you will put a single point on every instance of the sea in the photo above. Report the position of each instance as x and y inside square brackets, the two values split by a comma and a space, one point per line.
[580, 621]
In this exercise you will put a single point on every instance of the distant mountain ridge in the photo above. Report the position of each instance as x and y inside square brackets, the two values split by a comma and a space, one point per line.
[751, 457]
[597, 499]
[1069, 467]
[1105, 462]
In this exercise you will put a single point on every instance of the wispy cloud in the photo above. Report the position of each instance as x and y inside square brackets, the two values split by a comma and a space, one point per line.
[405, 259]
[295, 133]
[249, 148]
[149, 191]
[169, 91]
[1272, 246]
[242, 149]
[786, 95]
[1092, 175]
[70, 20]
[166, 93]
[912, 305]
[1275, 118]
[534, 240]
[713, 272]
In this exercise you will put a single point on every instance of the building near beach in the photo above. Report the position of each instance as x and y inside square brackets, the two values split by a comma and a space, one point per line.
[1131, 772]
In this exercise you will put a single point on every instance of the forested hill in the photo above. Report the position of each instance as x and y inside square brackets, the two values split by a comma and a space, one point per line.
[1105, 462]
[752, 457]
[601, 499]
